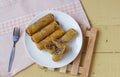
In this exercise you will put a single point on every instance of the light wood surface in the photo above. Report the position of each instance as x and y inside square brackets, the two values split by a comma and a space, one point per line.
[105, 16]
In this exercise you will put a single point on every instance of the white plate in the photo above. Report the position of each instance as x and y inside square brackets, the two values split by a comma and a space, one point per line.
[44, 58]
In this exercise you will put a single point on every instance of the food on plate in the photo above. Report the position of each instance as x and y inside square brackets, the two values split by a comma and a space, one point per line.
[47, 34]
[60, 44]
[57, 34]
[40, 35]
[39, 24]
[51, 48]
[69, 35]
[58, 54]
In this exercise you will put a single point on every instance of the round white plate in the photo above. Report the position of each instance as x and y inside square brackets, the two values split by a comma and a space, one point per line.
[44, 58]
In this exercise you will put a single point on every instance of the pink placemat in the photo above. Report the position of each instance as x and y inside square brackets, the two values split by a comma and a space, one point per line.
[21, 60]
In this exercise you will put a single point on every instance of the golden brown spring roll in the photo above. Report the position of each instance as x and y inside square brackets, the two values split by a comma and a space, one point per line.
[39, 24]
[57, 34]
[58, 54]
[60, 44]
[69, 35]
[50, 48]
[40, 35]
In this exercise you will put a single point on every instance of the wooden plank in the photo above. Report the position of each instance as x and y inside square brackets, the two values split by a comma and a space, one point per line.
[88, 34]
[83, 28]
[63, 69]
[108, 39]
[75, 65]
[69, 67]
[39, 66]
[81, 69]
[108, 65]
[51, 69]
[89, 52]
[108, 9]
[76, 62]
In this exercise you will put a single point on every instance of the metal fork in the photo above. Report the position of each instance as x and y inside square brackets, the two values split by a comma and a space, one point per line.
[16, 36]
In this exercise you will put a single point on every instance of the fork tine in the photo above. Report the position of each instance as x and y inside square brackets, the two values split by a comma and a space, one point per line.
[14, 31]
[18, 31]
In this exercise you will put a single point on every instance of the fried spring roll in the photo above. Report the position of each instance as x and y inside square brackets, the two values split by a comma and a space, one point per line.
[39, 24]
[40, 35]
[69, 35]
[57, 34]
[58, 54]
[60, 44]
[50, 48]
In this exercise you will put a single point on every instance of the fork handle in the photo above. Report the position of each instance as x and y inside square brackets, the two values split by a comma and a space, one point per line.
[11, 58]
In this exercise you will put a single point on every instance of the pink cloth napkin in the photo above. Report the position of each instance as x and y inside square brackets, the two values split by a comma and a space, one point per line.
[25, 10]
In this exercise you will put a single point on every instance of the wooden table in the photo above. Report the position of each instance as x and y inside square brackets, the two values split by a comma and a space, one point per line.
[105, 16]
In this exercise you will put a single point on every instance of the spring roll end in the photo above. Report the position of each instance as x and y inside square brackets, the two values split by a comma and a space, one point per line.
[33, 39]
[40, 46]
[28, 32]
